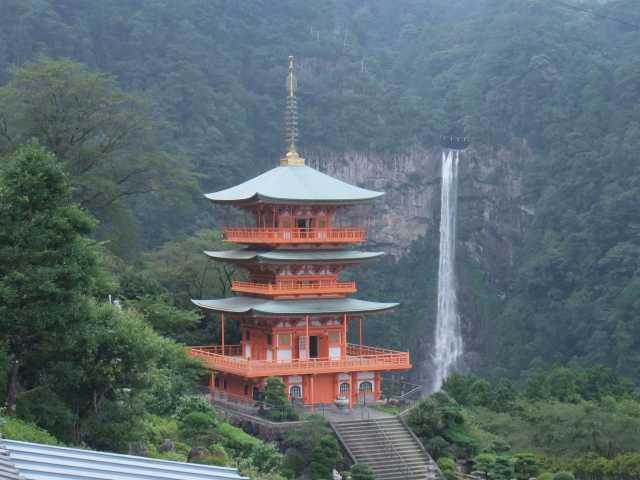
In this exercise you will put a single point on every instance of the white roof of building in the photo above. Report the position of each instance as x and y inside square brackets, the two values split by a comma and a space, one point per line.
[7, 469]
[45, 462]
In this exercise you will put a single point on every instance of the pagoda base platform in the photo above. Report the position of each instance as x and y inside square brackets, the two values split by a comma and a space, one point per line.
[339, 391]
[346, 381]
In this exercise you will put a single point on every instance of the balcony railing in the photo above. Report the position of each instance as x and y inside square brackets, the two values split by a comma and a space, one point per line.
[371, 359]
[294, 235]
[295, 287]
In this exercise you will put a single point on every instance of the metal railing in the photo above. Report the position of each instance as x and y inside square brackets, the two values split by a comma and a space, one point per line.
[294, 235]
[408, 470]
[371, 359]
[294, 287]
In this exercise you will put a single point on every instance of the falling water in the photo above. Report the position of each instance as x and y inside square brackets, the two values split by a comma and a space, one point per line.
[448, 345]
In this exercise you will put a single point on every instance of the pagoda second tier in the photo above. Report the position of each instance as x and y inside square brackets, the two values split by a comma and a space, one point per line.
[293, 274]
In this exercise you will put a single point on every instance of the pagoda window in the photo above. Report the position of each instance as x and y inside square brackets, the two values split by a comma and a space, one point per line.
[365, 387]
[295, 391]
[334, 336]
[269, 339]
[284, 339]
[344, 389]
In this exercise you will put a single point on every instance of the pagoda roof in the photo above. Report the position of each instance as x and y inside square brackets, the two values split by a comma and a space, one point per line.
[276, 256]
[294, 184]
[253, 305]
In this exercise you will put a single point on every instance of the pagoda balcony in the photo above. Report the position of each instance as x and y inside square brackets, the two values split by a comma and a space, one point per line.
[295, 288]
[359, 358]
[272, 236]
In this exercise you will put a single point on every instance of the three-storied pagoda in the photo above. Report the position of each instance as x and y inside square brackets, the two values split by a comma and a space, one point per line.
[293, 311]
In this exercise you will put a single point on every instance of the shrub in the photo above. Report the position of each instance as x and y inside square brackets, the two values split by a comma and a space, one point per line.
[277, 404]
[265, 458]
[324, 458]
[526, 466]
[193, 403]
[236, 439]
[197, 426]
[448, 467]
[563, 476]
[18, 430]
[361, 472]
[215, 455]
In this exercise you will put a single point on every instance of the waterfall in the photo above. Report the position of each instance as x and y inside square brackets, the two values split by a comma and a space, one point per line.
[448, 345]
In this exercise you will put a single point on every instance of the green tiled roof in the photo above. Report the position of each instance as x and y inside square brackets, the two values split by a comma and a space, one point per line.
[253, 305]
[294, 184]
[275, 256]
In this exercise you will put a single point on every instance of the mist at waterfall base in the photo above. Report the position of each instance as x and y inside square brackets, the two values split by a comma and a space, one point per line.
[448, 345]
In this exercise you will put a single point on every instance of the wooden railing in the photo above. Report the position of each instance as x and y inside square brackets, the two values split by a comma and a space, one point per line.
[371, 359]
[229, 350]
[294, 235]
[295, 287]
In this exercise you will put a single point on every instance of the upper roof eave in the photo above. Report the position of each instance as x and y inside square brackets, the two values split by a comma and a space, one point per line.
[293, 184]
[288, 256]
[244, 305]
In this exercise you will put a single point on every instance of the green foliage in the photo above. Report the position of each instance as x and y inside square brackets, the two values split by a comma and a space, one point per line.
[448, 467]
[265, 458]
[440, 422]
[26, 432]
[563, 476]
[361, 471]
[197, 428]
[525, 466]
[192, 403]
[215, 455]
[236, 440]
[299, 444]
[105, 138]
[47, 263]
[277, 405]
[324, 458]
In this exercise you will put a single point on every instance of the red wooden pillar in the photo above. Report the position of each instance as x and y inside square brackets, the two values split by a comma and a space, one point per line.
[312, 393]
[307, 342]
[360, 333]
[212, 385]
[344, 336]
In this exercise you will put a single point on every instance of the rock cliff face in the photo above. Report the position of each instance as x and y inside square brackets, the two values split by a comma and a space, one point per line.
[492, 218]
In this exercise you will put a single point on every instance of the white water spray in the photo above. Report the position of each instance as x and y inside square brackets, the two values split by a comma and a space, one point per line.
[448, 346]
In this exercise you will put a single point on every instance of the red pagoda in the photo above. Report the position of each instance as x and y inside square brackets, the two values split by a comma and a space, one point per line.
[293, 311]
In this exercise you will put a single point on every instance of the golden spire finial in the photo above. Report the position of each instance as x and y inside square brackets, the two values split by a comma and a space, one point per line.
[291, 120]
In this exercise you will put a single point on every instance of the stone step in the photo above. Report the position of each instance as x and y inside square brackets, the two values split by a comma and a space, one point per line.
[388, 448]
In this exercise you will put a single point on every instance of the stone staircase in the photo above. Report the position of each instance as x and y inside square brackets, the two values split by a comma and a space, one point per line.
[388, 447]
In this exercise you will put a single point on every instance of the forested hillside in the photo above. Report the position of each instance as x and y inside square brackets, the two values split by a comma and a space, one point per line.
[146, 104]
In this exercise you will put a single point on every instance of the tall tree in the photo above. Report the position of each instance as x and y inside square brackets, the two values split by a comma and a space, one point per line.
[107, 140]
[47, 263]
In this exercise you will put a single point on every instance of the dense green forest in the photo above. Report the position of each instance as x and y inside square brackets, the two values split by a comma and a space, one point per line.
[122, 113]
[207, 80]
